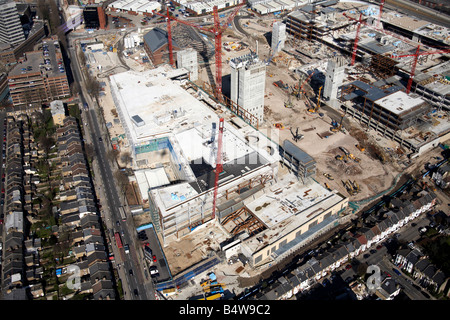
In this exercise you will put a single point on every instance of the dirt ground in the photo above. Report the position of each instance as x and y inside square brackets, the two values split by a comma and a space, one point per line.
[372, 176]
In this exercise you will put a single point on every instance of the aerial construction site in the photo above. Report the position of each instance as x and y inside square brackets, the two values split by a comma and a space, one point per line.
[249, 131]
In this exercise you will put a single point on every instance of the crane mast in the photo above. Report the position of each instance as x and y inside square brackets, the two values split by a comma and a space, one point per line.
[219, 166]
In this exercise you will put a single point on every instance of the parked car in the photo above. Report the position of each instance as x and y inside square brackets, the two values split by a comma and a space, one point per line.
[348, 267]
[396, 271]
[154, 271]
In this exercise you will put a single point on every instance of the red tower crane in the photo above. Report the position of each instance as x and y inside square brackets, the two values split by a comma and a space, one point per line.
[414, 64]
[360, 21]
[379, 14]
[219, 166]
[169, 39]
[217, 30]
[355, 45]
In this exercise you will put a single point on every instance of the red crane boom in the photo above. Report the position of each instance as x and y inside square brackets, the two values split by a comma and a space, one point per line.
[355, 45]
[414, 64]
[379, 14]
[219, 166]
[217, 30]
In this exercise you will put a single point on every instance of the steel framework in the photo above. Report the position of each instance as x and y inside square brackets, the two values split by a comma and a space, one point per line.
[414, 64]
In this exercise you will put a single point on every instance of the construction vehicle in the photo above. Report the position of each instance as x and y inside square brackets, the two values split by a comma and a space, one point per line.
[335, 126]
[345, 151]
[316, 108]
[296, 136]
[351, 156]
[280, 84]
[350, 187]
[329, 176]
[355, 186]
[267, 62]
[278, 125]
[298, 89]
[341, 157]
[360, 148]
[327, 186]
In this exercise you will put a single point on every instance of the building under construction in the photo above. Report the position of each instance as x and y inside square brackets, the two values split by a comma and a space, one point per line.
[395, 114]
[172, 135]
[172, 131]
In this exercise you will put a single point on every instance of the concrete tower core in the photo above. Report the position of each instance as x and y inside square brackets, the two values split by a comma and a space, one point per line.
[248, 75]
[188, 59]
[278, 36]
[334, 77]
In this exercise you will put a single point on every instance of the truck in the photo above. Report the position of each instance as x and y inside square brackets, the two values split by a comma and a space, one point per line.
[127, 248]
[118, 240]
[122, 214]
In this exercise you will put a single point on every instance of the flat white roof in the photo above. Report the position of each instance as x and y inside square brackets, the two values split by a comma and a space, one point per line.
[288, 205]
[291, 199]
[161, 103]
[150, 178]
[399, 102]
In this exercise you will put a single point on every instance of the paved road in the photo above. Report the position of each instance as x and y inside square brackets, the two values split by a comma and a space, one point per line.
[419, 11]
[112, 200]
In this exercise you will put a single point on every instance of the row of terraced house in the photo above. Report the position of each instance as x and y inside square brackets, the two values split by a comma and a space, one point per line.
[80, 217]
[23, 263]
[304, 277]
[21, 270]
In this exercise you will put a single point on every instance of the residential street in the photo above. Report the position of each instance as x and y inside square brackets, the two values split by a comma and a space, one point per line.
[109, 197]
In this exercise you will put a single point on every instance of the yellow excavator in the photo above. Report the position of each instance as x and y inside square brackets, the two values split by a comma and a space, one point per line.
[316, 108]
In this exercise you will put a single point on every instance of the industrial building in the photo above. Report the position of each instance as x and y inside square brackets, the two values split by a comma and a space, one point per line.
[395, 114]
[248, 75]
[156, 45]
[275, 6]
[174, 132]
[195, 7]
[144, 7]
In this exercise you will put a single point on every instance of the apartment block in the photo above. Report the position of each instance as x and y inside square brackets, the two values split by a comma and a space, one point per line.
[40, 77]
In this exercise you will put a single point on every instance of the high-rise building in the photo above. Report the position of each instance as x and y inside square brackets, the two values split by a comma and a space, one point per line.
[248, 76]
[278, 36]
[11, 31]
